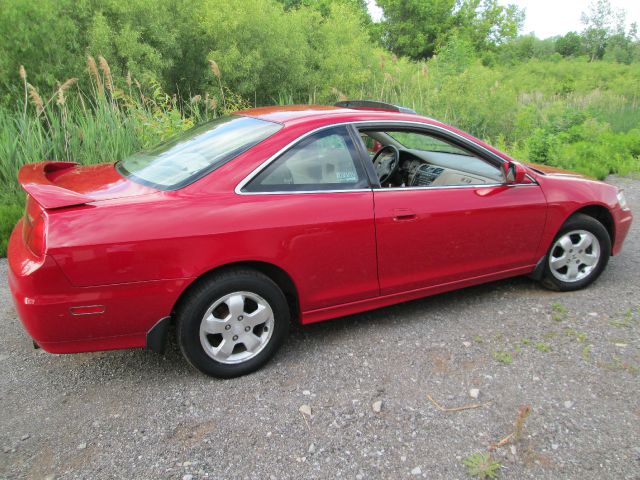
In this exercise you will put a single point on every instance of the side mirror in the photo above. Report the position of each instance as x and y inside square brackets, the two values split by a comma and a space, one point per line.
[515, 173]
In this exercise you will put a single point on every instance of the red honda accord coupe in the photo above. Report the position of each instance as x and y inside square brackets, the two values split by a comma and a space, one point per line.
[304, 213]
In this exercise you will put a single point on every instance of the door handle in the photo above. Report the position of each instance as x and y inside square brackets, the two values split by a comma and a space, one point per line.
[403, 215]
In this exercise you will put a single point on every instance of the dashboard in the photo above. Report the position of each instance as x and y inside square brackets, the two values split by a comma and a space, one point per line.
[416, 171]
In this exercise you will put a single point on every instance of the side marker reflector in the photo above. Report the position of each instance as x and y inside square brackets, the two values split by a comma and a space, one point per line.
[87, 310]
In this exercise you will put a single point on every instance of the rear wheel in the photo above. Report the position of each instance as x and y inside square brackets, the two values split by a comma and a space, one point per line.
[232, 323]
[578, 254]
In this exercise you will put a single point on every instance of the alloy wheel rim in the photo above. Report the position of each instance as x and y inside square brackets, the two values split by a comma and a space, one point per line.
[236, 327]
[574, 256]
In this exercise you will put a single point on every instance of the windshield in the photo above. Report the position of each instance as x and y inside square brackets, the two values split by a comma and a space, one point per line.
[198, 151]
[427, 143]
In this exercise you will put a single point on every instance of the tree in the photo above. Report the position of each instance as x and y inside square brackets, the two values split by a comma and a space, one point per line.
[570, 45]
[42, 36]
[325, 6]
[621, 47]
[417, 28]
[486, 23]
[601, 22]
[413, 27]
[525, 47]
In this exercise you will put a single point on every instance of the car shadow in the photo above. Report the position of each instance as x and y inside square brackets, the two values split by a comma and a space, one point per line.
[410, 312]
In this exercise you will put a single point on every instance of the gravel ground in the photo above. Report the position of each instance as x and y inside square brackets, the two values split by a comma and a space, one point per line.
[134, 414]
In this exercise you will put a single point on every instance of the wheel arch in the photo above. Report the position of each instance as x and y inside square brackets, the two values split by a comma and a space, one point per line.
[600, 213]
[279, 276]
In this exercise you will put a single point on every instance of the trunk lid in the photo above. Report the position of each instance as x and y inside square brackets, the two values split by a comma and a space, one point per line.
[65, 184]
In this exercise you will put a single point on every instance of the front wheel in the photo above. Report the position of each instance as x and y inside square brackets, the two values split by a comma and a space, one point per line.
[578, 254]
[232, 323]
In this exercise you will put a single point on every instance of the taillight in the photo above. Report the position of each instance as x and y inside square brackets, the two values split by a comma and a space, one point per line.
[37, 239]
[34, 230]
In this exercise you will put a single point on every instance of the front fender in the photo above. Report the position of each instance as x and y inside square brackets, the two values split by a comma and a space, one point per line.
[569, 194]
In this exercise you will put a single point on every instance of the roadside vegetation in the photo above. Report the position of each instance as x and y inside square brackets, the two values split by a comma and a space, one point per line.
[95, 81]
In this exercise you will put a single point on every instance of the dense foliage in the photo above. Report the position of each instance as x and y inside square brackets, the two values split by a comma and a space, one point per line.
[94, 80]
[263, 47]
[416, 28]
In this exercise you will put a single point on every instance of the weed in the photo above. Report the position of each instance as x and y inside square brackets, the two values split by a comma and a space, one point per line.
[558, 312]
[626, 321]
[503, 357]
[543, 347]
[478, 339]
[619, 324]
[526, 341]
[482, 465]
[518, 427]
[579, 336]
[618, 365]
[586, 353]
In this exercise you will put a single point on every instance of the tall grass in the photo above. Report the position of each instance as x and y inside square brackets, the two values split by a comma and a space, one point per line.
[572, 114]
[104, 124]
[9, 214]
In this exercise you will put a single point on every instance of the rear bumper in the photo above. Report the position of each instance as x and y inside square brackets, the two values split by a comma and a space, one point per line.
[622, 219]
[44, 298]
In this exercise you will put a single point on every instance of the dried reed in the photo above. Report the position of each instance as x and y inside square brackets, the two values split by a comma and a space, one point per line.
[95, 74]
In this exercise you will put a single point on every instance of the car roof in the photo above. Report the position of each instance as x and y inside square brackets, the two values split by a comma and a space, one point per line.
[295, 113]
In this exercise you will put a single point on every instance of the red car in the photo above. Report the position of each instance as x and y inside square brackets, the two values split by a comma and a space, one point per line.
[301, 213]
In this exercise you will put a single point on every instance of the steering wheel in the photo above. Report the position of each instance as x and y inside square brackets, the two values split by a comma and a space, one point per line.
[386, 161]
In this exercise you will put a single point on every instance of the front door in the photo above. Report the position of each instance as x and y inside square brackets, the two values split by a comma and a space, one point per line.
[443, 210]
[429, 237]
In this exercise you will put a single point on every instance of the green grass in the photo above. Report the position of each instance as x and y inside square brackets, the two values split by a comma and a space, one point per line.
[558, 312]
[579, 336]
[9, 216]
[503, 357]
[85, 127]
[482, 465]
[543, 347]
[625, 322]
[617, 364]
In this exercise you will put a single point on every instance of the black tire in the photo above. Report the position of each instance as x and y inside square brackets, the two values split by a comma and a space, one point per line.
[593, 226]
[195, 303]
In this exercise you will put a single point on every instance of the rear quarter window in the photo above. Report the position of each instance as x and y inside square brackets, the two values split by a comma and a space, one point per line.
[326, 160]
[197, 152]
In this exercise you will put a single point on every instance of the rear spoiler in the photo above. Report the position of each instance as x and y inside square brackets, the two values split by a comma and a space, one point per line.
[34, 180]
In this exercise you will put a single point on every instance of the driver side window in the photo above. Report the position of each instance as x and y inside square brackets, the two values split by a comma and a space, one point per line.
[427, 160]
